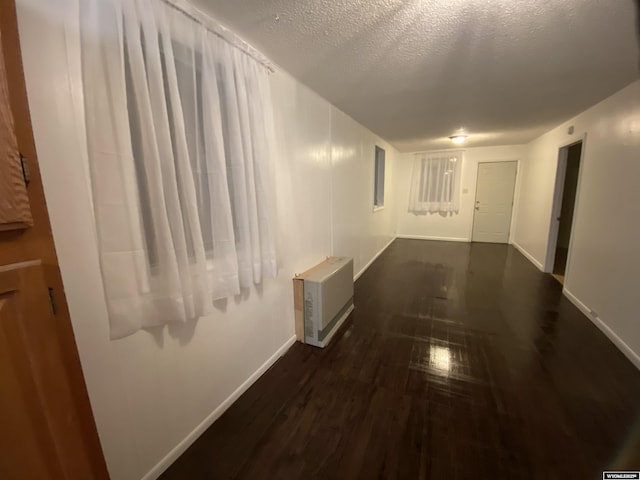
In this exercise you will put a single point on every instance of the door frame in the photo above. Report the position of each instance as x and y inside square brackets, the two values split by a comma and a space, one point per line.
[514, 201]
[556, 206]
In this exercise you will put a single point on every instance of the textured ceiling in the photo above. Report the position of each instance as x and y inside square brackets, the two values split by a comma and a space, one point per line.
[416, 71]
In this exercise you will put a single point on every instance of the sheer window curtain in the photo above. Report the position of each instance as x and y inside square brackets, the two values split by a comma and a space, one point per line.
[179, 131]
[435, 183]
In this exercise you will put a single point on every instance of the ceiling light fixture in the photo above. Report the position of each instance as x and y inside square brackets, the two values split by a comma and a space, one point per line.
[458, 138]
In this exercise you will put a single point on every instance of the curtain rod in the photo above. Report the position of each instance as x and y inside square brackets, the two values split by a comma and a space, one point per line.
[430, 152]
[193, 13]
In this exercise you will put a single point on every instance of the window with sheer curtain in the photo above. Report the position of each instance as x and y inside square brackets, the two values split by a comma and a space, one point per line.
[435, 183]
[179, 131]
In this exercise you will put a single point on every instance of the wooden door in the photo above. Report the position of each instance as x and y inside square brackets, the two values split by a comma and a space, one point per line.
[47, 430]
[41, 432]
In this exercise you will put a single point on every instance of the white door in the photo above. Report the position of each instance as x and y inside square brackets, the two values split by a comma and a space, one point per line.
[494, 202]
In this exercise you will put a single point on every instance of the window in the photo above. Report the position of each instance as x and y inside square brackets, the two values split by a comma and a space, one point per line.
[378, 186]
[179, 136]
[435, 183]
[187, 66]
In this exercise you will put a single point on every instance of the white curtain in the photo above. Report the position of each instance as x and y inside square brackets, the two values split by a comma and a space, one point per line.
[179, 133]
[435, 183]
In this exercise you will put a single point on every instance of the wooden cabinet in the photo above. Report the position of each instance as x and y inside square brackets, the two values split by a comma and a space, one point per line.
[14, 202]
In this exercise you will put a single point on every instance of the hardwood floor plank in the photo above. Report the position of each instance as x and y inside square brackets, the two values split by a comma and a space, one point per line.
[460, 361]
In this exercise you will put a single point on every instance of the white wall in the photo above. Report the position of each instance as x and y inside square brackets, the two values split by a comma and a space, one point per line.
[604, 261]
[456, 227]
[151, 390]
[358, 231]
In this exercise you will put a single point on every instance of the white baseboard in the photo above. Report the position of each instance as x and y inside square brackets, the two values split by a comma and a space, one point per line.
[617, 341]
[530, 257]
[375, 257]
[179, 449]
[439, 239]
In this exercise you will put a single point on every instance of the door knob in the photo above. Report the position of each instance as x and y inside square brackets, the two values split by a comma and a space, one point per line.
[477, 207]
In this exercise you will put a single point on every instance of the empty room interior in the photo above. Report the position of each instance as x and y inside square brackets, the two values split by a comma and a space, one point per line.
[295, 239]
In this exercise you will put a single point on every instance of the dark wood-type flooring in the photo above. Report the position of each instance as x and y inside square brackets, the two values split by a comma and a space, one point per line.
[460, 361]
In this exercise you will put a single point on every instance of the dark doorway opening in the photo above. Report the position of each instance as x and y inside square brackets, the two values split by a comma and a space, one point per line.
[565, 220]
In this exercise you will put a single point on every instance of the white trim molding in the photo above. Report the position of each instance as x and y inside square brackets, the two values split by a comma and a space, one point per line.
[529, 257]
[598, 322]
[179, 449]
[375, 257]
[439, 239]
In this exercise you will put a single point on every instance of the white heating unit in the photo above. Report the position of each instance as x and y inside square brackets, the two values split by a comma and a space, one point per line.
[323, 300]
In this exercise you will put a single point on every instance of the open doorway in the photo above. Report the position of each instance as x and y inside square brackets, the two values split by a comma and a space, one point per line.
[564, 207]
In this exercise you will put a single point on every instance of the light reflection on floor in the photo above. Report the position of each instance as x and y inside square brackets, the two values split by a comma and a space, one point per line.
[440, 359]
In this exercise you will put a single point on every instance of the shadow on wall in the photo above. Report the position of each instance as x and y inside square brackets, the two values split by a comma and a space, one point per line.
[184, 332]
